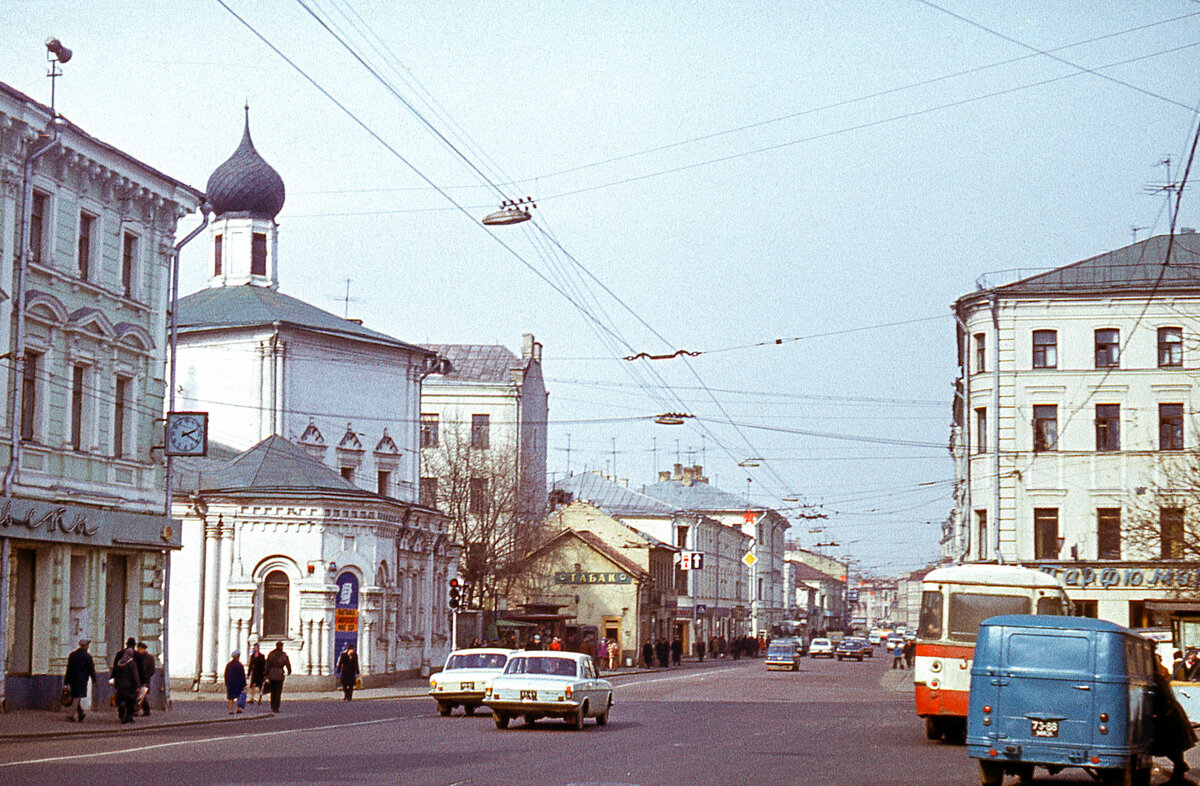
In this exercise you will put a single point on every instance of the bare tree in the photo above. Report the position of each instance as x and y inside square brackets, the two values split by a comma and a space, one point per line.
[478, 487]
[1161, 519]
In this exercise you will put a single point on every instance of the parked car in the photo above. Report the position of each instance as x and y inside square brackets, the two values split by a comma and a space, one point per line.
[894, 641]
[783, 655]
[852, 648]
[465, 678]
[820, 648]
[549, 684]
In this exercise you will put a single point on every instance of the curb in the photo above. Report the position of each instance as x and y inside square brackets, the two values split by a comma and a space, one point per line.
[137, 729]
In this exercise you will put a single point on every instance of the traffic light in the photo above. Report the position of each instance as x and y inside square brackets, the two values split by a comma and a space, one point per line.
[452, 599]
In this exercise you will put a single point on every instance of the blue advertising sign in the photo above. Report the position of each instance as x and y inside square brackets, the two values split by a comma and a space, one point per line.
[345, 616]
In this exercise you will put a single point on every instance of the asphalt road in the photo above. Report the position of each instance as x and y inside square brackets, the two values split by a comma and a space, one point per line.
[726, 723]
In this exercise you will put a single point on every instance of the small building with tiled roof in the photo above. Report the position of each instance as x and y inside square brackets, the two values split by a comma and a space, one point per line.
[279, 547]
[1074, 428]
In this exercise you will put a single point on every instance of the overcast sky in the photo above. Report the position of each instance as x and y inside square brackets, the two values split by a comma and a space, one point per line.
[710, 177]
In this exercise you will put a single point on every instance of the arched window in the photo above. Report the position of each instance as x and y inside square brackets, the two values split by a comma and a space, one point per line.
[275, 604]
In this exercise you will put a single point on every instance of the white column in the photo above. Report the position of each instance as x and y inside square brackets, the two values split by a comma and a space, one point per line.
[223, 566]
[426, 612]
[364, 648]
[208, 656]
[319, 649]
[308, 627]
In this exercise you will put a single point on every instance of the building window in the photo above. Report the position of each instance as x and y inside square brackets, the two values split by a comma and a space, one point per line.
[428, 492]
[78, 374]
[87, 223]
[128, 257]
[384, 483]
[1108, 427]
[981, 429]
[1170, 346]
[348, 473]
[258, 254]
[980, 353]
[478, 501]
[1085, 608]
[1045, 349]
[1045, 533]
[1170, 521]
[479, 431]
[29, 396]
[121, 396]
[981, 530]
[1108, 533]
[1045, 427]
[1108, 349]
[429, 430]
[681, 536]
[37, 225]
[218, 254]
[275, 605]
[1170, 426]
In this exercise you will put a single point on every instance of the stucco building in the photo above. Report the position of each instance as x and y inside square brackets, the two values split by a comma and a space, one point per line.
[83, 525]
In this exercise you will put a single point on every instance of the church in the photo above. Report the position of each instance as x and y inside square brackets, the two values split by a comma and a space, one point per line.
[302, 523]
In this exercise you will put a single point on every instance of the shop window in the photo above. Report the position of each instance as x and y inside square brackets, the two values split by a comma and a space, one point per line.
[1086, 608]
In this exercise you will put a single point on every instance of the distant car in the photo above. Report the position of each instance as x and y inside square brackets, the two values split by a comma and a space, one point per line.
[465, 677]
[783, 654]
[852, 648]
[893, 641]
[875, 636]
[549, 684]
[820, 648]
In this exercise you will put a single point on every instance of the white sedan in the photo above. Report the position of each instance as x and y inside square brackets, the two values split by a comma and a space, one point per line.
[465, 677]
[549, 684]
[821, 648]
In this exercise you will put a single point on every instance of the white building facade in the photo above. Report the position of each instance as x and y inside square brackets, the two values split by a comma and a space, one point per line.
[85, 261]
[1074, 437]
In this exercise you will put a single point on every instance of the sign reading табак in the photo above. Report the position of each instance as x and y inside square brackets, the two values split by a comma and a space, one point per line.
[591, 577]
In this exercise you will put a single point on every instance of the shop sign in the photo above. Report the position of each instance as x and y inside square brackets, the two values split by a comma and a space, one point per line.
[1124, 577]
[55, 519]
[590, 577]
[46, 521]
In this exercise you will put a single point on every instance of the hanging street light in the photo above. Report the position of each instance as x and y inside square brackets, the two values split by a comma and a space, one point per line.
[510, 212]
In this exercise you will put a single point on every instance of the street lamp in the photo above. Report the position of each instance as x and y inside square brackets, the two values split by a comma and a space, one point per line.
[511, 212]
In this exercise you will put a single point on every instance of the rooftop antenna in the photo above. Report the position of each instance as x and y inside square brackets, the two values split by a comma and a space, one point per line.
[56, 54]
[1134, 231]
[1169, 188]
[346, 300]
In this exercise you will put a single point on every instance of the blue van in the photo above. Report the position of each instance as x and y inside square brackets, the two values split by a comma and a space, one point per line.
[1057, 692]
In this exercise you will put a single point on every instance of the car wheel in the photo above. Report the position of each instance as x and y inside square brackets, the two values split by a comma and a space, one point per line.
[602, 718]
[991, 773]
[576, 720]
[529, 719]
[501, 720]
[468, 709]
[444, 708]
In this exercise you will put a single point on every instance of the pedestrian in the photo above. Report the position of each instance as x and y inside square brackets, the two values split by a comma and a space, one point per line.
[663, 650]
[146, 667]
[614, 654]
[676, 651]
[258, 673]
[648, 654]
[126, 681]
[536, 644]
[556, 644]
[235, 681]
[1173, 733]
[700, 651]
[347, 669]
[1188, 669]
[277, 664]
[81, 669]
[898, 656]
[601, 653]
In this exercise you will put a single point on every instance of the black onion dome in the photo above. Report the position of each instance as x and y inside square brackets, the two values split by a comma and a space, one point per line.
[246, 184]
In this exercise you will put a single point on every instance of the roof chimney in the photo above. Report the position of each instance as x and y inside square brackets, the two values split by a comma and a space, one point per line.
[698, 474]
[664, 476]
[678, 472]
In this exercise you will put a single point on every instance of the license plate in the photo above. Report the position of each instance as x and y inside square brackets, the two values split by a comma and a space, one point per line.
[466, 686]
[1040, 728]
[528, 695]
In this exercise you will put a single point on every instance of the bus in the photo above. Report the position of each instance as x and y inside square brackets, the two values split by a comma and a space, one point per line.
[954, 601]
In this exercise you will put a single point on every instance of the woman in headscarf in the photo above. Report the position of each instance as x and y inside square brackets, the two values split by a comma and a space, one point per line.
[235, 680]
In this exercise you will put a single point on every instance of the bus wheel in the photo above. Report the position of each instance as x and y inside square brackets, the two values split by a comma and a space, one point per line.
[933, 729]
[991, 773]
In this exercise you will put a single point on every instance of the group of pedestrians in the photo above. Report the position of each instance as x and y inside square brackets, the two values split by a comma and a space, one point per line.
[903, 654]
[130, 676]
[266, 673]
[666, 653]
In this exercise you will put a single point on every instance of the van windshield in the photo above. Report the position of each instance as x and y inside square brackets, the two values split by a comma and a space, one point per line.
[968, 609]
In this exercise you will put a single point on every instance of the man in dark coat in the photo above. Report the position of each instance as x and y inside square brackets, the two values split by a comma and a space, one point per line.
[146, 669]
[676, 651]
[347, 670]
[81, 669]
[126, 680]
[277, 663]
[663, 650]
[258, 672]
[648, 654]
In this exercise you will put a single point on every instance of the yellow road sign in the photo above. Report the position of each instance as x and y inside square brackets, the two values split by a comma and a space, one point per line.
[750, 559]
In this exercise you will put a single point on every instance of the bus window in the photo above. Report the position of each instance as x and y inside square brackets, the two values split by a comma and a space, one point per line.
[968, 609]
[1051, 605]
[929, 625]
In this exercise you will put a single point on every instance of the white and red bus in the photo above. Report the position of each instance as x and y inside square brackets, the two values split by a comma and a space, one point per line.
[954, 601]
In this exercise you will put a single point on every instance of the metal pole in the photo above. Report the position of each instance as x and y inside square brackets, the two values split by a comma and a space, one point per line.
[996, 425]
[4, 551]
[167, 486]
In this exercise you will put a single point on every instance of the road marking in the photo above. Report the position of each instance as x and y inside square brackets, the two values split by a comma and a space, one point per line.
[704, 673]
[197, 742]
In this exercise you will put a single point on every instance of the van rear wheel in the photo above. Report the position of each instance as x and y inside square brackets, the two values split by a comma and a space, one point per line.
[933, 729]
[991, 773]
[1121, 776]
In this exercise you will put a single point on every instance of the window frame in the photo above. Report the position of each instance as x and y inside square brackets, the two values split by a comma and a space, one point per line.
[121, 388]
[1045, 428]
[1045, 540]
[39, 214]
[279, 609]
[1171, 544]
[480, 431]
[1046, 351]
[427, 491]
[429, 430]
[130, 247]
[29, 396]
[1111, 348]
[1108, 428]
[477, 497]
[981, 532]
[1108, 533]
[218, 254]
[258, 254]
[980, 430]
[79, 380]
[85, 244]
[979, 350]
[1170, 347]
[1171, 439]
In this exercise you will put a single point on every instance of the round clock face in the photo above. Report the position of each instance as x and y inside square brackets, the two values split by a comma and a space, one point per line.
[185, 434]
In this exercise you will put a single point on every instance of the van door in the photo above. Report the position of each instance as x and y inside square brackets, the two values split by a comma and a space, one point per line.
[1045, 687]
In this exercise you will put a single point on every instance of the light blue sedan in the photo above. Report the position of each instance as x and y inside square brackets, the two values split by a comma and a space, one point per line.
[549, 685]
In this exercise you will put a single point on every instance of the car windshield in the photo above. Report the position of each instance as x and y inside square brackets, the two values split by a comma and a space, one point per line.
[821, 642]
[780, 649]
[561, 667]
[477, 660]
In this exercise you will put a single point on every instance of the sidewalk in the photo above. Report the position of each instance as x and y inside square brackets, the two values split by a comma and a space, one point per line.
[191, 708]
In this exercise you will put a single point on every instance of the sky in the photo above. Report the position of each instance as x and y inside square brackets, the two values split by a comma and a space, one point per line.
[796, 192]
